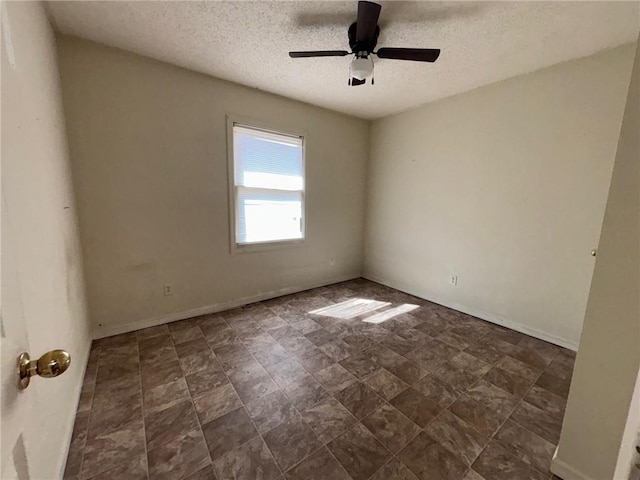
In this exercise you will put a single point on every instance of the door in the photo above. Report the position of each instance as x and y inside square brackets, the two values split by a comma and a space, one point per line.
[16, 428]
[42, 302]
[17, 406]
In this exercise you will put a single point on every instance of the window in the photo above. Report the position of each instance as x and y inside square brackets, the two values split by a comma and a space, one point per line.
[268, 185]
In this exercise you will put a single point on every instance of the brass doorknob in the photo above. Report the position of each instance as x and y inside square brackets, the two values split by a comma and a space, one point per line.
[49, 365]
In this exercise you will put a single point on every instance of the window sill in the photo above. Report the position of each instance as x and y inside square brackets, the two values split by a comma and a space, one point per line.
[266, 246]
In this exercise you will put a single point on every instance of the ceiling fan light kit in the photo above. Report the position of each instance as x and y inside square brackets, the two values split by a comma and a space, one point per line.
[363, 37]
[361, 68]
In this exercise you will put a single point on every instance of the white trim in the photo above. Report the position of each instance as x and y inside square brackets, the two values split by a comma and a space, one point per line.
[270, 134]
[518, 327]
[566, 471]
[101, 332]
[267, 127]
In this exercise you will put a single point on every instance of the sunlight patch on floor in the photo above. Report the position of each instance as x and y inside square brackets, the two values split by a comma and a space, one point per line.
[350, 308]
[392, 312]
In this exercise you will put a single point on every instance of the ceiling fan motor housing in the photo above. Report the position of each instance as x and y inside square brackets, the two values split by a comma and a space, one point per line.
[363, 38]
[362, 46]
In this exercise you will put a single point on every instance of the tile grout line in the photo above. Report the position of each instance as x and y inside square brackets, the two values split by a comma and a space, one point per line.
[193, 405]
[322, 444]
[89, 414]
[523, 400]
[481, 377]
[244, 406]
[421, 429]
[91, 410]
[520, 401]
[410, 386]
[508, 417]
[446, 409]
[144, 422]
[357, 421]
[142, 393]
[331, 393]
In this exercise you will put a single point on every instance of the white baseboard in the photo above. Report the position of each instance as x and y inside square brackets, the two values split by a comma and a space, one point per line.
[518, 327]
[566, 471]
[218, 307]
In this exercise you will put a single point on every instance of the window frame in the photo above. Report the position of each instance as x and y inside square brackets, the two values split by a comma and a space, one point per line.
[269, 127]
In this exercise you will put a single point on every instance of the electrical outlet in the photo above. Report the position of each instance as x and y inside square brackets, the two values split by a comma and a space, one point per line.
[453, 280]
[166, 289]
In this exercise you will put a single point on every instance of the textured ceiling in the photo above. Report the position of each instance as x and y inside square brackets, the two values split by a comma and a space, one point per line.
[247, 42]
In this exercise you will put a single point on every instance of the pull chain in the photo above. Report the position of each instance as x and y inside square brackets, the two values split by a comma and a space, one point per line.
[373, 82]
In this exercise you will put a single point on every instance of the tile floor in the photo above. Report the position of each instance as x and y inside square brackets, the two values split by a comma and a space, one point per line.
[351, 381]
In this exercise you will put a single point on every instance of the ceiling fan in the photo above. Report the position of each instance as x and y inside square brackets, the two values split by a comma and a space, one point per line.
[363, 37]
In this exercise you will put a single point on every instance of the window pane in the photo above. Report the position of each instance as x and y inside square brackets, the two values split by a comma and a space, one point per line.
[268, 215]
[267, 160]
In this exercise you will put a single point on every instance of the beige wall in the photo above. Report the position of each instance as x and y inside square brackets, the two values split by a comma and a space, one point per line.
[504, 186]
[43, 304]
[148, 147]
[608, 360]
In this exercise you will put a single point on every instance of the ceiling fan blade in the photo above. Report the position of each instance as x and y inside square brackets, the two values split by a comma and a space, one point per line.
[355, 82]
[414, 54]
[319, 53]
[368, 14]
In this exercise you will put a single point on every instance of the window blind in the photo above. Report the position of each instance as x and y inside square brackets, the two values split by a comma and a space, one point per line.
[269, 184]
